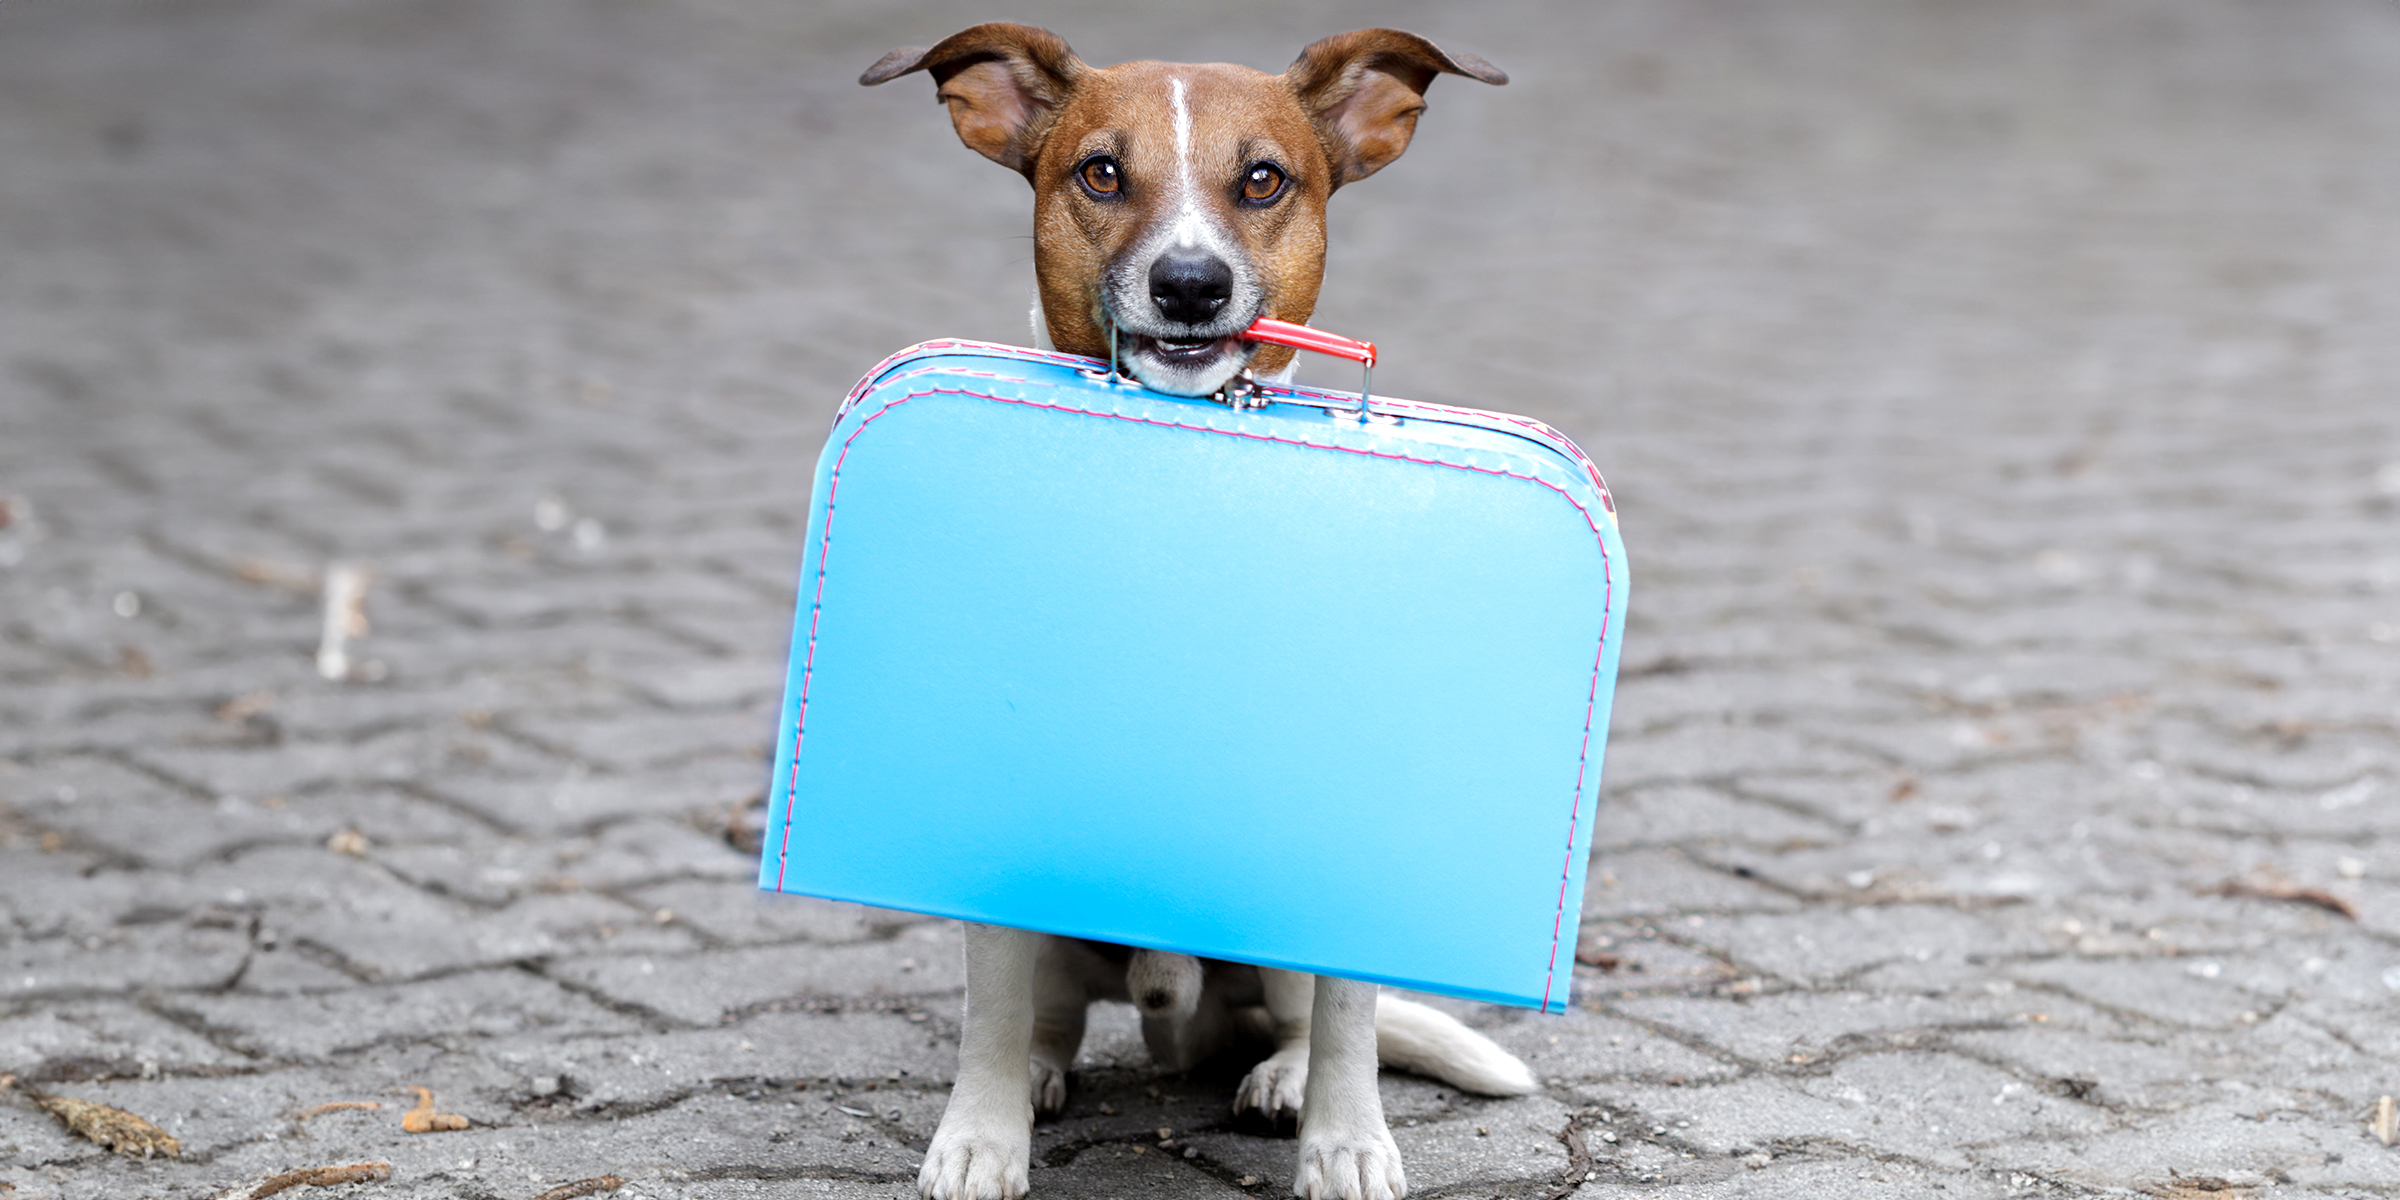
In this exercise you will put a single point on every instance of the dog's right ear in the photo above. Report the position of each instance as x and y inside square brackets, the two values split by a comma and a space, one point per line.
[1004, 83]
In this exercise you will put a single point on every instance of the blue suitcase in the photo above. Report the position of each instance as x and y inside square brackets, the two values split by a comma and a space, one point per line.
[1282, 682]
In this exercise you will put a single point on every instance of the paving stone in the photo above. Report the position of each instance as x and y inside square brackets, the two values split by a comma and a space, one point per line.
[379, 926]
[1813, 1027]
[2222, 1139]
[1644, 963]
[635, 741]
[1653, 881]
[740, 916]
[1675, 814]
[1815, 949]
[64, 1040]
[2196, 991]
[478, 1005]
[129, 823]
[1721, 751]
[627, 853]
[922, 960]
[1583, 1047]
[1925, 1107]
[788, 1048]
[575, 799]
[122, 961]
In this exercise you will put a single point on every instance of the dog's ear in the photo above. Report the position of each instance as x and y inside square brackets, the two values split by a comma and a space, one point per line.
[1364, 89]
[1004, 83]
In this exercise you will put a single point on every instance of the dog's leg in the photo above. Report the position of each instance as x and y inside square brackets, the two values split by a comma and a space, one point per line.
[1062, 994]
[1277, 1086]
[1346, 1151]
[986, 1136]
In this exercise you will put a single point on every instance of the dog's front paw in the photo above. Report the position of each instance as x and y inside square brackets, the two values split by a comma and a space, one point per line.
[1275, 1088]
[1049, 1086]
[1349, 1165]
[975, 1164]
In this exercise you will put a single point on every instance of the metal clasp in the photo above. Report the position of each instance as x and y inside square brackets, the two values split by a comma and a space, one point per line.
[1113, 376]
[1241, 392]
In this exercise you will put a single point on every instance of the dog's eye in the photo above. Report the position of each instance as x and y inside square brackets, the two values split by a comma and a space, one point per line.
[1100, 176]
[1262, 184]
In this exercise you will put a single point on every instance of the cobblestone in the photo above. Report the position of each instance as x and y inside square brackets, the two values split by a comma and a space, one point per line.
[1998, 400]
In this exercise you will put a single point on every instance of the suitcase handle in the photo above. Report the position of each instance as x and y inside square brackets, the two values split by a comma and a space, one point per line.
[1301, 337]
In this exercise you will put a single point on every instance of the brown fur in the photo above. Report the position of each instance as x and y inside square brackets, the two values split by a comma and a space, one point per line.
[1019, 96]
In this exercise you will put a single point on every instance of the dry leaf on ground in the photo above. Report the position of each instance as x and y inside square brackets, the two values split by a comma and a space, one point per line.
[113, 1128]
[365, 1172]
[582, 1187]
[1579, 1159]
[2276, 889]
[422, 1118]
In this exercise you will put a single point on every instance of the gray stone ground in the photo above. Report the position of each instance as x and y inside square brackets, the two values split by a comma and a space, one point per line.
[2001, 398]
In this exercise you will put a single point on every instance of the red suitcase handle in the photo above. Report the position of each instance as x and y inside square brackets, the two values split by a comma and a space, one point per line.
[1301, 337]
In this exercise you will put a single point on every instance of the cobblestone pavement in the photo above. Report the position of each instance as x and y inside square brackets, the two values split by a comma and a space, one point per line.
[2006, 778]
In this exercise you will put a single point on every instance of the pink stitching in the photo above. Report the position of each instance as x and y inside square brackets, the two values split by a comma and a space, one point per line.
[1599, 656]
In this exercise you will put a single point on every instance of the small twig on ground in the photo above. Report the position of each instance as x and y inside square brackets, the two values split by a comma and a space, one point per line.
[2180, 1186]
[1579, 1160]
[345, 617]
[2276, 889]
[365, 1172]
[2387, 1121]
[341, 1106]
[291, 577]
[582, 1187]
[422, 1118]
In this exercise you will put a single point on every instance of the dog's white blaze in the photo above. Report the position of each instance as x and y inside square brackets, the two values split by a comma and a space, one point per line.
[1186, 222]
[1187, 216]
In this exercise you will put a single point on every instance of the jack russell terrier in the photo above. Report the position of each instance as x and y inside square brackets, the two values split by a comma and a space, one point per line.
[1173, 205]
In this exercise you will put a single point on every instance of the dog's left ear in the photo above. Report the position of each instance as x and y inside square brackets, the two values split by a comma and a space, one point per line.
[1004, 83]
[1365, 88]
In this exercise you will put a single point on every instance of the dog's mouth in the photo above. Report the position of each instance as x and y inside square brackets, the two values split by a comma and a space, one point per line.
[1187, 353]
[1184, 366]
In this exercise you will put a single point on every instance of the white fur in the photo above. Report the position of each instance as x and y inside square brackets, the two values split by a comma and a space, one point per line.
[1428, 1041]
[1026, 998]
[1187, 205]
[985, 1141]
[1041, 341]
[1196, 225]
[1164, 986]
[1346, 1151]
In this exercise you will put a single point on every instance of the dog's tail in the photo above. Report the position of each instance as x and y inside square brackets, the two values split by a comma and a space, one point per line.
[1430, 1042]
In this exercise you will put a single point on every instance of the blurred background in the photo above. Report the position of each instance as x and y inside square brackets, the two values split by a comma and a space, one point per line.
[1999, 396]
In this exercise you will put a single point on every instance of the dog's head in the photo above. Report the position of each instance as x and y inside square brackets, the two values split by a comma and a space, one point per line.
[1180, 202]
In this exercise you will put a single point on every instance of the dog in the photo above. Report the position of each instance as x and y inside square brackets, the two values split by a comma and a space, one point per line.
[1173, 205]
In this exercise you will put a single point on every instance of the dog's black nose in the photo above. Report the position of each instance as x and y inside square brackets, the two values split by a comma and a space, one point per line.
[1189, 287]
